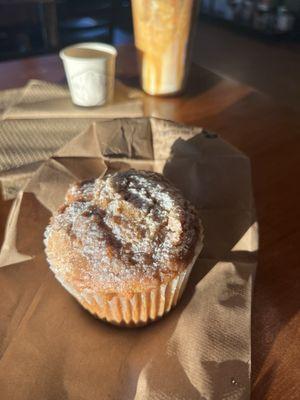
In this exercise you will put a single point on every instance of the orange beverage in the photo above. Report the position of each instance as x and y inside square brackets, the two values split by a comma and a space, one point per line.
[162, 31]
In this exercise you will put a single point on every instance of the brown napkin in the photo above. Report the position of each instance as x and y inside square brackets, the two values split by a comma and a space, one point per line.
[7, 98]
[43, 100]
[51, 348]
[41, 120]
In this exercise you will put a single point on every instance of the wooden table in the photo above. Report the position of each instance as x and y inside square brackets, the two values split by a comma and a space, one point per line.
[270, 135]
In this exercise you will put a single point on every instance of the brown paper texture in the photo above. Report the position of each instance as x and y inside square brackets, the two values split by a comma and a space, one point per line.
[51, 348]
[43, 100]
[8, 98]
[38, 119]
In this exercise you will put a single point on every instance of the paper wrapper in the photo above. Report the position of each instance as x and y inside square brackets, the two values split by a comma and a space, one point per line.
[137, 310]
[38, 119]
[140, 308]
[52, 348]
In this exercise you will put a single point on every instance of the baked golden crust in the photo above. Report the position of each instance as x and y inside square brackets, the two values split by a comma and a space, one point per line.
[127, 233]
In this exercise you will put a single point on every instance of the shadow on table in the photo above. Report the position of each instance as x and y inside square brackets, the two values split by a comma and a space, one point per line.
[260, 389]
[200, 80]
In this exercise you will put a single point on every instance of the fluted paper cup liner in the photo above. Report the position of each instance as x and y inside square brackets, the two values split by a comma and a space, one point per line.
[137, 309]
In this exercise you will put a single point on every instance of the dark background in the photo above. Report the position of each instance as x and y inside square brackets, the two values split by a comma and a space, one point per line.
[34, 27]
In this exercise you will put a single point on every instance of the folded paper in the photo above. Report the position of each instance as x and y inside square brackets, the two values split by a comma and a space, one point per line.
[52, 348]
[35, 121]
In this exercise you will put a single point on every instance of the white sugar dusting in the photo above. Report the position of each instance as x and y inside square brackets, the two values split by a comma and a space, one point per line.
[130, 225]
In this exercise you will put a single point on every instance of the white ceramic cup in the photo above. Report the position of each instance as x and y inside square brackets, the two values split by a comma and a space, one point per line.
[90, 75]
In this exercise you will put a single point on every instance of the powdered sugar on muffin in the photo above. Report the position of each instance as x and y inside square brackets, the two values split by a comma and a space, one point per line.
[130, 229]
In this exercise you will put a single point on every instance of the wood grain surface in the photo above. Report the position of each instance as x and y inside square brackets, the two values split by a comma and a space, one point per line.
[269, 134]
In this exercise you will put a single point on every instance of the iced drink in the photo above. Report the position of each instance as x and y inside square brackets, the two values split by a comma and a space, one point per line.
[162, 30]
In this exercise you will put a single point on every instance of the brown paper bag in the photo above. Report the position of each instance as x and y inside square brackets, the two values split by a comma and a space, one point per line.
[44, 100]
[8, 98]
[51, 348]
[38, 119]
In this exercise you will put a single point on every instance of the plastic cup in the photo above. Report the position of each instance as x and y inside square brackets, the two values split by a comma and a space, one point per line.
[163, 33]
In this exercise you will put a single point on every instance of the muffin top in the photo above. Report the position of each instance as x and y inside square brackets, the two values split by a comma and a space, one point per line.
[126, 232]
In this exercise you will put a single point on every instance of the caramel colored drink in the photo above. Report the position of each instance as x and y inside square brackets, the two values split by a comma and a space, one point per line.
[162, 31]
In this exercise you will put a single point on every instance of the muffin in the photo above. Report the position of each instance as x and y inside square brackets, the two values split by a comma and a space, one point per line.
[124, 245]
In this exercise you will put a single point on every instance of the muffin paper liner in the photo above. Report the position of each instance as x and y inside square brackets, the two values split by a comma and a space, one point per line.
[138, 309]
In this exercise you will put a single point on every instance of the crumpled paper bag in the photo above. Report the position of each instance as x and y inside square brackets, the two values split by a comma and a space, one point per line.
[51, 348]
[43, 100]
[7, 98]
[38, 119]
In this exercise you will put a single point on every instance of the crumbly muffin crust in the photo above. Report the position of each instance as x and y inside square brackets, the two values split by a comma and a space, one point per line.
[125, 233]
